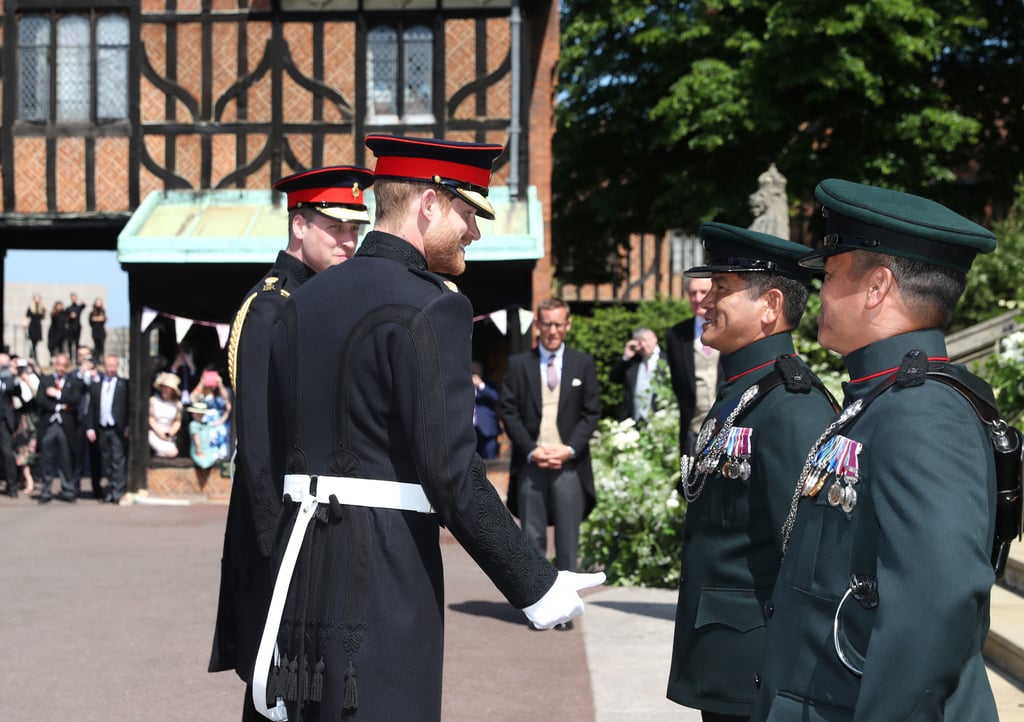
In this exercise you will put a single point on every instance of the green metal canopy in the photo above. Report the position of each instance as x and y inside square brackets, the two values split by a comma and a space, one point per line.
[251, 226]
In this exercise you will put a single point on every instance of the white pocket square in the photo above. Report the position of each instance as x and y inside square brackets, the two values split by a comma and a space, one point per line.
[577, 382]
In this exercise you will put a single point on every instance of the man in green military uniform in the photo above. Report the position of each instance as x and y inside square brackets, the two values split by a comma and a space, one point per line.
[882, 602]
[751, 446]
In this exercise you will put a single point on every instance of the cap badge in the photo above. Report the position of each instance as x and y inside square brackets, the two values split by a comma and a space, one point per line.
[355, 190]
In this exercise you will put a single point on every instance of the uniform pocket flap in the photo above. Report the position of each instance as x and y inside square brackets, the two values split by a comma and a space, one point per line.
[736, 608]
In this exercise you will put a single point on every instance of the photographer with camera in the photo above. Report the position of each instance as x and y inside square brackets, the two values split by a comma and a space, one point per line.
[641, 362]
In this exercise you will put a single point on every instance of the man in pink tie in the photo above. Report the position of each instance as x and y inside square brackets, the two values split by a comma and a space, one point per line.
[550, 404]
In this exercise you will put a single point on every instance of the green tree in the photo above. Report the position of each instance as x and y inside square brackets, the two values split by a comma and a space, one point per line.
[995, 280]
[669, 111]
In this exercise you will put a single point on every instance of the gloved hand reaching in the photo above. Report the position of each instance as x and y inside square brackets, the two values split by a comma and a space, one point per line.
[562, 602]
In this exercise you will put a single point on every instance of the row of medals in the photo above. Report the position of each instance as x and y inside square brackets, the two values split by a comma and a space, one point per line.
[842, 493]
[710, 453]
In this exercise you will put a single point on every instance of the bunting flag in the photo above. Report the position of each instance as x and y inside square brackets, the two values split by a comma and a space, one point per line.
[525, 319]
[182, 325]
[500, 320]
[148, 316]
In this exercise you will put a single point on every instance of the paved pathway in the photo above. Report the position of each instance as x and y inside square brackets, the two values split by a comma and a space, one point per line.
[108, 616]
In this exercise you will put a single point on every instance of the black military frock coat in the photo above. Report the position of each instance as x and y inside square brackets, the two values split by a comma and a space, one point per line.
[369, 378]
[246, 581]
[732, 540]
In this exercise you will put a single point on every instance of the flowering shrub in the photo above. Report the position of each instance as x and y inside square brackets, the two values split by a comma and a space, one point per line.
[635, 534]
[1004, 370]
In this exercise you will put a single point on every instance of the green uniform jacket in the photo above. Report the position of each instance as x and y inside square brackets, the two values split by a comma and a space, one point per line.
[733, 544]
[922, 526]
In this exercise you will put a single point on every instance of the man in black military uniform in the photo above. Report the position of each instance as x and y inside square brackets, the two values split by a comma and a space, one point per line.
[739, 482]
[326, 209]
[377, 446]
[881, 606]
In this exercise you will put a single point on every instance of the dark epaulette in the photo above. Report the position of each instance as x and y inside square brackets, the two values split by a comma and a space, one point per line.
[798, 379]
[439, 281]
[794, 374]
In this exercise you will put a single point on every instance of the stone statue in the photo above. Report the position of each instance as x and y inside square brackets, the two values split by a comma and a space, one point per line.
[769, 204]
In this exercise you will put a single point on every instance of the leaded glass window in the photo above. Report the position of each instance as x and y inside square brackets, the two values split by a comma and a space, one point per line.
[400, 75]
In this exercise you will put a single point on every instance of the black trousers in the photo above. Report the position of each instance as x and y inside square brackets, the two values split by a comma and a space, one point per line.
[56, 461]
[10, 468]
[112, 456]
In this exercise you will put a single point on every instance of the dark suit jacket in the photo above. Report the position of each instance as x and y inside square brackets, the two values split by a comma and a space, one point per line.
[624, 372]
[484, 409]
[679, 353]
[70, 397]
[118, 406]
[579, 409]
[8, 388]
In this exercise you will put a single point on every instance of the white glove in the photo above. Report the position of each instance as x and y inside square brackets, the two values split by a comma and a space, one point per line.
[562, 602]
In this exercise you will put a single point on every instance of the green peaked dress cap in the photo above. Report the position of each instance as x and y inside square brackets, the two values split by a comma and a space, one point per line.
[869, 218]
[732, 249]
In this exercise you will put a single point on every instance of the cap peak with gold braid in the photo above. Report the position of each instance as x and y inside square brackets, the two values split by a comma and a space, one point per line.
[334, 191]
[463, 169]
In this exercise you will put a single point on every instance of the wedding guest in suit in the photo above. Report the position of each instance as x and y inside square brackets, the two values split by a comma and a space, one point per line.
[98, 324]
[485, 415]
[694, 368]
[109, 426]
[550, 403]
[58, 399]
[87, 455]
[641, 363]
[74, 325]
[34, 315]
[9, 388]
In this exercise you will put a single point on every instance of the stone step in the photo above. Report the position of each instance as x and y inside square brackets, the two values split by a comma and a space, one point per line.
[1004, 647]
[1014, 576]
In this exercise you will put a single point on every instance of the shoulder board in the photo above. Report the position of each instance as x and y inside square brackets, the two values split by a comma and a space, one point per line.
[439, 281]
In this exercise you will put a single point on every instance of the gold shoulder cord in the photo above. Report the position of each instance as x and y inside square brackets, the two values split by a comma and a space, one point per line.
[236, 327]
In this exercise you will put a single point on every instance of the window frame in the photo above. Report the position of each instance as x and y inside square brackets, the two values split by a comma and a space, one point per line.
[400, 27]
[52, 107]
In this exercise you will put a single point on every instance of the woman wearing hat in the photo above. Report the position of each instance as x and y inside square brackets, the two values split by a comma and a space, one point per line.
[165, 416]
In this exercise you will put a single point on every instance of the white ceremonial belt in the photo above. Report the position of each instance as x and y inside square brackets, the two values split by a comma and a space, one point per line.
[309, 492]
[357, 492]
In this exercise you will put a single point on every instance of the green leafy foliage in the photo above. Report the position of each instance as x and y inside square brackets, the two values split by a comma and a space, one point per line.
[668, 112]
[635, 533]
[995, 280]
[1004, 370]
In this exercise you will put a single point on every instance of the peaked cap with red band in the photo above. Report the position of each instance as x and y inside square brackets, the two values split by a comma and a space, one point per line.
[461, 168]
[335, 191]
